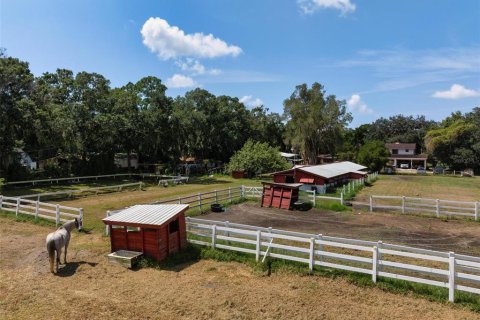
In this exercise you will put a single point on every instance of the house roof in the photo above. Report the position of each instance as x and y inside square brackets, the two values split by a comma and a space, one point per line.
[288, 185]
[288, 155]
[398, 145]
[333, 169]
[151, 214]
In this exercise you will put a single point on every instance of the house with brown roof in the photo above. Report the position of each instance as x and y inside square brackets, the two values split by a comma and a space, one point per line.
[402, 155]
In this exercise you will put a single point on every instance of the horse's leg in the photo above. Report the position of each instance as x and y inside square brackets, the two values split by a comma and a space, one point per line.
[67, 241]
[59, 254]
[65, 254]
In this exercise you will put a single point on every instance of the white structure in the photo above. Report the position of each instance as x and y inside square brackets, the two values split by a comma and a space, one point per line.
[403, 155]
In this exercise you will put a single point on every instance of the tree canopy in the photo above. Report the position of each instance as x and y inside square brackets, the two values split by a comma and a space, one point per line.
[374, 155]
[257, 158]
[316, 122]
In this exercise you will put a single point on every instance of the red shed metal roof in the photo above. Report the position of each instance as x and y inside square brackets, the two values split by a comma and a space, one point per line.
[150, 214]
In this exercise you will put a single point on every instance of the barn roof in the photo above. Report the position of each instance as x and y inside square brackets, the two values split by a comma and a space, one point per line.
[398, 145]
[333, 169]
[149, 214]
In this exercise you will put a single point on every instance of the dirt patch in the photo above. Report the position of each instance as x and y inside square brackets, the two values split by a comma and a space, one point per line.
[423, 232]
[91, 288]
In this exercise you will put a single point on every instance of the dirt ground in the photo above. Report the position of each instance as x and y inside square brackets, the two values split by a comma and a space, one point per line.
[89, 287]
[457, 235]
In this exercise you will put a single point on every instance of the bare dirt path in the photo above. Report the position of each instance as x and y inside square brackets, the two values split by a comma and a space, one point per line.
[91, 288]
[424, 232]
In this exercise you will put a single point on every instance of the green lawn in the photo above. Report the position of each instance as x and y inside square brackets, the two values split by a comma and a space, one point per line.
[437, 187]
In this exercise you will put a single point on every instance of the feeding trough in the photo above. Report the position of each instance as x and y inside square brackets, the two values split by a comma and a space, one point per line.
[125, 258]
[216, 207]
[302, 206]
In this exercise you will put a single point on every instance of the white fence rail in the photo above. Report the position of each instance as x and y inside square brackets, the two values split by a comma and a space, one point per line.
[96, 190]
[82, 178]
[443, 269]
[438, 207]
[55, 212]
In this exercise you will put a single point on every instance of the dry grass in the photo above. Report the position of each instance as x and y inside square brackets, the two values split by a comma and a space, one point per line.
[91, 288]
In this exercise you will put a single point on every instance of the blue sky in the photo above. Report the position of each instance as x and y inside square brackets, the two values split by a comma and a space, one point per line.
[382, 57]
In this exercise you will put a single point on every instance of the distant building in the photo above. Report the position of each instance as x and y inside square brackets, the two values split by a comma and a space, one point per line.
[320, 177]
[293, 158]
[402, 155]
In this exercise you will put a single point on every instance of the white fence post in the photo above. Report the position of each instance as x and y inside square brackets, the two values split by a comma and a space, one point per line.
[259, 242]
[17, 208]
[403, 204]
[243, 191]
[57, 215]
[375, 264]
[451, 277]
[437, 207]
[314, 198]
[341, 198]
[476, 209]
[214, 234]
[371, 203]
[1, 201]
[37, 205]
[81, 217]
[312, 254]
[230, 194]
[200, 201]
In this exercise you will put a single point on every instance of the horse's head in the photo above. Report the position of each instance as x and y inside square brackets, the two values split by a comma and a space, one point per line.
[78, 223]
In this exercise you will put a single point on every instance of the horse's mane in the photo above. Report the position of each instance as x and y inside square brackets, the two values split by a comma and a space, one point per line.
[69, 225]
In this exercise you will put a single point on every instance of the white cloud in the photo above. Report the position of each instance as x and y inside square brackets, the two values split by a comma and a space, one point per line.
[456, 91]
[355, 103]
[400, 68]
[250, 101]
[180, 81]
[195, 67]
[172, 42]
[310, 6]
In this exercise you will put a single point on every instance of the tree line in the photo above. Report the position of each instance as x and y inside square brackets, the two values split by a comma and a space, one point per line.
[83, 122]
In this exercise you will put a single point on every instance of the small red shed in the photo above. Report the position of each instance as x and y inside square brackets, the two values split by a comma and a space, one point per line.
[280, 195]
[156, 230]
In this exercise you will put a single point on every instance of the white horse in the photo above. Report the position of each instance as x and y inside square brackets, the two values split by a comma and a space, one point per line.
[59, 239]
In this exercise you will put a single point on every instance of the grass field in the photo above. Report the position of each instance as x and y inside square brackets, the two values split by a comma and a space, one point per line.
[436, 187]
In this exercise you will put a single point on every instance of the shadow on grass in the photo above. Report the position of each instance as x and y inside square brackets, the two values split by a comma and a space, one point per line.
[176, 262]
[70, 268]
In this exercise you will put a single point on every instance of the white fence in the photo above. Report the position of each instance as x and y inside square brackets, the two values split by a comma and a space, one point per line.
[82, 178]
[175, 180]
[39, 209]
[96, 190]
[442, 269]
[434, 206]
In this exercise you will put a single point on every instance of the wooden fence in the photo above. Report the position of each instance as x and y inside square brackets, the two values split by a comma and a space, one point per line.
[96, 190]
[83, 178]
[438, 207]
[39, 209]
[442, 269]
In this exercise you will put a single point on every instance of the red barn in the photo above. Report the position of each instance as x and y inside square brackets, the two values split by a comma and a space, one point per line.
[321, 175]
[156, 230]
[280, 195]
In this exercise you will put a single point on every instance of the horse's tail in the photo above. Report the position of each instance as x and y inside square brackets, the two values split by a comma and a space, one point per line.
[51, 253]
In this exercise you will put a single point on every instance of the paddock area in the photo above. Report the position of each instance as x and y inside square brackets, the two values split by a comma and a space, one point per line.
[424, 232]
[92, 288]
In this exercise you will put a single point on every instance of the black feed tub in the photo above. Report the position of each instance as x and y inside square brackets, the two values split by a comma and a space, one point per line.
[302, 206]
[216, 207]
